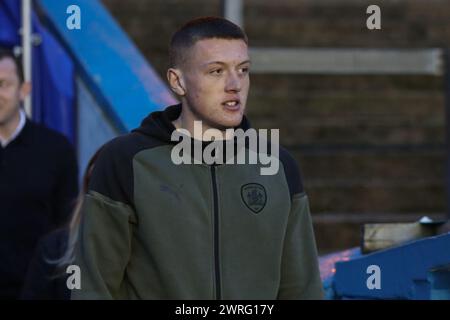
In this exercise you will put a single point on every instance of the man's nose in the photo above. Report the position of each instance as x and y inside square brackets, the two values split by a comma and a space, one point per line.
[233, 83]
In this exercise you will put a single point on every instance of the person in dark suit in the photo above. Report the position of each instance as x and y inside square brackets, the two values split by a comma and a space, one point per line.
[38, 178]
[47, 277]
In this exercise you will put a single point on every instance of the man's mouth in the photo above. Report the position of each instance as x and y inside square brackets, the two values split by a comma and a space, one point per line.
[232, 104]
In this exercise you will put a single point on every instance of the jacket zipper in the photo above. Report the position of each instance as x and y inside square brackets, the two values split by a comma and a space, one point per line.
[216, 234]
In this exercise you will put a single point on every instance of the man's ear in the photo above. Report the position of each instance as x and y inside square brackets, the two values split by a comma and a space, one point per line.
[176, 82]
[25, 89]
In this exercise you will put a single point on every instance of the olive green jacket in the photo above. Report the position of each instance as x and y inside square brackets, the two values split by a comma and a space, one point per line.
[152, 229]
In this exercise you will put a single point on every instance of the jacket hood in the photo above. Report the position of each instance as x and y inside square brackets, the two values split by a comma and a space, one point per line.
[159, 124]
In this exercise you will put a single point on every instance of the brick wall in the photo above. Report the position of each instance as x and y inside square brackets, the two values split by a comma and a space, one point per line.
[342, 129]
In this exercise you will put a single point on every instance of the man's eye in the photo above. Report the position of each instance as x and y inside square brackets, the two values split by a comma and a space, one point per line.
[216, 72]
[244, 70]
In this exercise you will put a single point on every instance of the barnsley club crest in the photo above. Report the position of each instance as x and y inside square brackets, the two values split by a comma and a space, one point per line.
[254, 196]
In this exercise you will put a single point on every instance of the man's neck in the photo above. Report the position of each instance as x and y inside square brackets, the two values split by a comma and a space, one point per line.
[187, 120]
[9, 128]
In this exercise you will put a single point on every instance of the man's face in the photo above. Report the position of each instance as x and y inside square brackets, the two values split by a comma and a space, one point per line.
[11, 91]
[216, 81]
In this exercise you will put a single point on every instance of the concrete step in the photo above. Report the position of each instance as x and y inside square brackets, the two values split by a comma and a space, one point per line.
[378, 163]
[337, 231]
[342, 103]
[343, 23]
[358, 131]
[377, 196]
[378, 110]
[371, 86]
[374, 180]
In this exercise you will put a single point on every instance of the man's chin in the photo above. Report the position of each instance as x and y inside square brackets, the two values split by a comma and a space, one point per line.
[227, 124]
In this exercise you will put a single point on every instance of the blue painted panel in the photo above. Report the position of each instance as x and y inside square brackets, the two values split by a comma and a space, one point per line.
[117, 74]
[94, 126]
[439, 279]
[328, 269]
[404, 270]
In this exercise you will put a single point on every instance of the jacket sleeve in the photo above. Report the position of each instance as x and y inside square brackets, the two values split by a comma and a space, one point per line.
[103, 248]
[300, 276]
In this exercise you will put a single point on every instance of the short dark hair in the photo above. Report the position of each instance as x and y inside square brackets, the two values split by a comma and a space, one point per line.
[8, 53]
[199, 29]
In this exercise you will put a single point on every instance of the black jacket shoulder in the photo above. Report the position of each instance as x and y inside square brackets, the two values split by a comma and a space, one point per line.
[113, 172]
[292, 172]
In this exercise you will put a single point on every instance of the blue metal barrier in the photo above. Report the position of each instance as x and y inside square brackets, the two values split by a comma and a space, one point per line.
[406, 272]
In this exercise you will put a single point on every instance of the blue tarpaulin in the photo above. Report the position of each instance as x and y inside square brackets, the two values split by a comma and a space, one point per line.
[53, 95]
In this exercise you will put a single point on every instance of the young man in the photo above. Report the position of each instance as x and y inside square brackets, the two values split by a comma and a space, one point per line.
[153, 229]
[38, 179]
